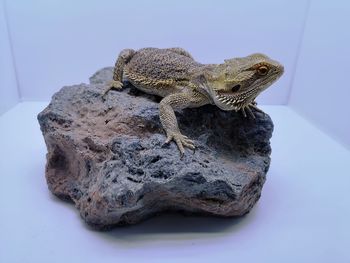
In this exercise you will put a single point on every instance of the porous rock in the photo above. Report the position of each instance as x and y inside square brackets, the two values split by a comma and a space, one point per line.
[109, 157]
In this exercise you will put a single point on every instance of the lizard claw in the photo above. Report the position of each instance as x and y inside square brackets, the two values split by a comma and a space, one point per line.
[114, 84]
[181, 141]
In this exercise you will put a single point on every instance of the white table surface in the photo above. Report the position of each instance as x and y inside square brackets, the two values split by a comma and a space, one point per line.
[302, 216]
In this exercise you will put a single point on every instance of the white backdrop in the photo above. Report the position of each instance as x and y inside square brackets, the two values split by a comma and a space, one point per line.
[321, 89]
[8, 85]
[61, 42]
[303, 213]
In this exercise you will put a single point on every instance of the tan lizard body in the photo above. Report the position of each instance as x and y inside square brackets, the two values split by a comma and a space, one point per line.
[182, 82]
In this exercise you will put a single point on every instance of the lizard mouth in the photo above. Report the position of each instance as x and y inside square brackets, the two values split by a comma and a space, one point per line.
[232, 101]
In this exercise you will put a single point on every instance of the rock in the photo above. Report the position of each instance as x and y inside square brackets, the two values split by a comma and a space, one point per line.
[109, 157]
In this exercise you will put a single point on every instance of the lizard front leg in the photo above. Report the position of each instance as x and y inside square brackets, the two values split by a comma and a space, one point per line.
[168, 118]
[117, 82]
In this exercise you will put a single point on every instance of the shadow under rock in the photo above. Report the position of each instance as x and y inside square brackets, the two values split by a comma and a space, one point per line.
[176, 226]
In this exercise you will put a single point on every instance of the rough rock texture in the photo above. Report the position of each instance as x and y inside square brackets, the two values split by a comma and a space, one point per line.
[108, 156]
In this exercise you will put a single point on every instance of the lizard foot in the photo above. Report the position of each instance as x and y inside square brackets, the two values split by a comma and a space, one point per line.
[252, 105]
[114, 84]
[181, 141]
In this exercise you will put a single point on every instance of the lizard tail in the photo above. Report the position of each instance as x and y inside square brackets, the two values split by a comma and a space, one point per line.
[124, 57]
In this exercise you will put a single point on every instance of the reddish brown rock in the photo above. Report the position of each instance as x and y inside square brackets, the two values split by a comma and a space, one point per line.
[108, 156]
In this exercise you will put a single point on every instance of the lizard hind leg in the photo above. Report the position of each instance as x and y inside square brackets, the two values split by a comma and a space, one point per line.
[123, 58]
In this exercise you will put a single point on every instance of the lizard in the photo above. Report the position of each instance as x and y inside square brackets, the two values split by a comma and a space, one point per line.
[182, 82]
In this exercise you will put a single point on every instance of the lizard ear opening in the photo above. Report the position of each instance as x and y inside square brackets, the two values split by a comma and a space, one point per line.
[236, 88]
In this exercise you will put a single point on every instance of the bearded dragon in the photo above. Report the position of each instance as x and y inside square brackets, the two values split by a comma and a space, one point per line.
[173, 74]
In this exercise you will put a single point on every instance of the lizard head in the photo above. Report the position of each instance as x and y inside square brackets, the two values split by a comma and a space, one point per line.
[236, 83]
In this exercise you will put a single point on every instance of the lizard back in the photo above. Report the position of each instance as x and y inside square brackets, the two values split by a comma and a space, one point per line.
[159, 67]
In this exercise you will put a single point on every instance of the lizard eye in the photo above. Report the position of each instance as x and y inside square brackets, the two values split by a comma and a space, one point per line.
[262, 70]
[236, 88]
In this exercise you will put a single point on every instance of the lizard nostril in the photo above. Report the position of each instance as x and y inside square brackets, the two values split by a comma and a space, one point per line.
[236, 88]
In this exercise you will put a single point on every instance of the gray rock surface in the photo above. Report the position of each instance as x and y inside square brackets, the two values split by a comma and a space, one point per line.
[108, 156]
